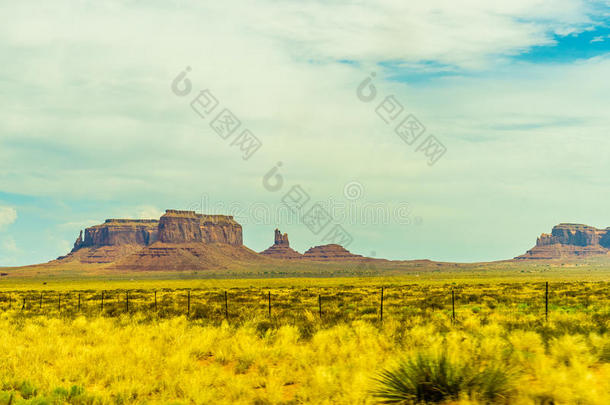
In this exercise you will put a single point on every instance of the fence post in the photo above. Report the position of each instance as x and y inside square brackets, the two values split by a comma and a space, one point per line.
[269, 300]
[320, 304]
[381, 308]
[453, 304]
[546, 302]
[188, 303]
[226, 306]
[102, 305]
[78, 302]
[23, 306]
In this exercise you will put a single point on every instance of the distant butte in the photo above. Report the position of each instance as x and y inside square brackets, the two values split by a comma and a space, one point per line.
[183, 240]
[568, 241]
[330, 252]
[281, 248]
[180, 240]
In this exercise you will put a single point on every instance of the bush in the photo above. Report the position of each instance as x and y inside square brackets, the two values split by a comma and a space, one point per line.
[263, 326]
[427, 378]
[27, 390]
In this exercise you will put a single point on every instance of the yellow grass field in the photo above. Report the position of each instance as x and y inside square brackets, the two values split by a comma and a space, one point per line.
[322, 341]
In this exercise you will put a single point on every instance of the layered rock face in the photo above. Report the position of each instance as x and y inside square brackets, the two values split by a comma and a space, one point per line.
[115, 232]
[187, 226]
[281, 248]
[180, 227]
[115, 238]
[570, 240]
[184, 240]
[332, 252]
[221, 229]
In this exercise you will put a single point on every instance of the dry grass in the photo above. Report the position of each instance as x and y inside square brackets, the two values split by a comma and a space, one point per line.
[294, 356]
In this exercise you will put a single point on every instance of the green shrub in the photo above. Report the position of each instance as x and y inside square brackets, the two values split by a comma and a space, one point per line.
[263, 326]
[427, 378]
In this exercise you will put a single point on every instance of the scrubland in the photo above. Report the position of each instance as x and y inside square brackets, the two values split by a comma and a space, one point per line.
[322, 342]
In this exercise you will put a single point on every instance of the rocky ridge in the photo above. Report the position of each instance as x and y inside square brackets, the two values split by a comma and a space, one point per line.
[178, 239]
[332, 252]
[570, 241]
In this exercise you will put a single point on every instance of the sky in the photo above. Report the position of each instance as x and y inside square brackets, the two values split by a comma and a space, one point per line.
[96, 121]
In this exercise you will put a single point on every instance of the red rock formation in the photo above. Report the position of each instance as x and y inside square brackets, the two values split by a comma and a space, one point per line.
[183, 240]
[281, 248]
[332, 252]
[180, 227]
[119, 232]
[101, 254]
[281, 239]
[79, 241]
[187, 226]
[187, 256]
[570, 241]
[116, 238]
[221, 229]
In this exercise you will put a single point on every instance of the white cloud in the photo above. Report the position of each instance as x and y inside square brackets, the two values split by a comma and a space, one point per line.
[600, 38]
[8, 215]
[466, 33]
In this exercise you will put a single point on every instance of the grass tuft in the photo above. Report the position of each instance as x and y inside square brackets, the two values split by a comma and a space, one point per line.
[435, 378]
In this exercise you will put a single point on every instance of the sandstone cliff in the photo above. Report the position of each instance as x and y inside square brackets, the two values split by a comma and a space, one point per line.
[281, 248]
[119, 232]
[187, 226]
[180, 227]
[221, 229]
[184, 240]
[117, 238]
[570, 241]
[114, 238]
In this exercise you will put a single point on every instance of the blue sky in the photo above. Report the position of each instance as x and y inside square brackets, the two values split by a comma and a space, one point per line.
[573, 47]
[517, 93]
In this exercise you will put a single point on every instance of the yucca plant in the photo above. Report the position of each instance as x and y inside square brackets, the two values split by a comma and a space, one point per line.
[426, 378]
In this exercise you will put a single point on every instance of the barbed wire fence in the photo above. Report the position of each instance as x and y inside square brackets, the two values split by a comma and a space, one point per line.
[335, 304]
